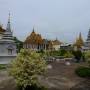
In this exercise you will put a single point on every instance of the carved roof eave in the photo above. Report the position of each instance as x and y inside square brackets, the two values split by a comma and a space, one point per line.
[2, 30]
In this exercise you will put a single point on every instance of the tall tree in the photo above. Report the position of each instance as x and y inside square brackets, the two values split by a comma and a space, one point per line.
[19, 44]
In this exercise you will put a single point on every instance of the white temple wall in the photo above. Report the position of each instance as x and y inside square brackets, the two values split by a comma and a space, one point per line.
[6, 59]
[4, 49]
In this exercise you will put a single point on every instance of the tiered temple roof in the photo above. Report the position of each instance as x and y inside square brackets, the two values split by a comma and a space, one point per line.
[7, 33]
[34, 38]
[36, 42]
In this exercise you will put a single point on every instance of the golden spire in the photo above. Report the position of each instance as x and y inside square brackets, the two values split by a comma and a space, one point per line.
[33, 30]
[79, 41]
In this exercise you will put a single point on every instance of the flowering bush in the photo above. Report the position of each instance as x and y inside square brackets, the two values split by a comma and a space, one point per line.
[26, 68]
[83, 71]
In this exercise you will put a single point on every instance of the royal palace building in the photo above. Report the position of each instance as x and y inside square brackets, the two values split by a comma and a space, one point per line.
[35, 42]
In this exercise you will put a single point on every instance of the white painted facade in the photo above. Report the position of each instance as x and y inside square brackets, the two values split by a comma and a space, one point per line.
[7, 45]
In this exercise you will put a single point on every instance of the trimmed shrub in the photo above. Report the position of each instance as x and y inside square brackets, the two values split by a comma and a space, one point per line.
[68, 55]
[83, 71]
[77, 54]
[63, 52]
[26, 68]
[3, 66]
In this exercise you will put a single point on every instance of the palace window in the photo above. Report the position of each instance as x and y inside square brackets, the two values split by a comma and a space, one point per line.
[10, 51]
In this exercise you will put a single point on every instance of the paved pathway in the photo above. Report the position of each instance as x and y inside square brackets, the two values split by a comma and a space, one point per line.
[59, 77]
[6, 82]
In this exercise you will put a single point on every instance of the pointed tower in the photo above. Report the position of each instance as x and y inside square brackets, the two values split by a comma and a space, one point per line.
[8, 48]
[33, 30]
[88, 37]
[8, 33]
[79, 41]
[87, 43]
[8, 28]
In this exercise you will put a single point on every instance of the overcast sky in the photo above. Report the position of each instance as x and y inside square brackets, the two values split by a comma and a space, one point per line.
[63, 19]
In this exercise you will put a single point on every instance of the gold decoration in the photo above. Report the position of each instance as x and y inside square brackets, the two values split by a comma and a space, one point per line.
[79, 41]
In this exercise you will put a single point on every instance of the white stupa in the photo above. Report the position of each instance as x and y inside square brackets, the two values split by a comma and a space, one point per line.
[7, 44]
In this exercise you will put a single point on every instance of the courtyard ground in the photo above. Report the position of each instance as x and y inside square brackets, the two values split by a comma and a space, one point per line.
[59, 77]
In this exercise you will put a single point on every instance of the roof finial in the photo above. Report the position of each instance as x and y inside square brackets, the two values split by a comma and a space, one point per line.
[80, 35]
[33, 29]
[8, 24]
[9, 17]
[56, 38]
